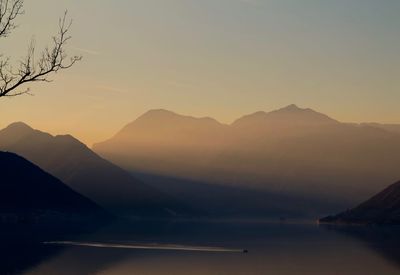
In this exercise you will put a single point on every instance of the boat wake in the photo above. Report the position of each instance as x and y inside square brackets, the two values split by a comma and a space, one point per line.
[148, 246]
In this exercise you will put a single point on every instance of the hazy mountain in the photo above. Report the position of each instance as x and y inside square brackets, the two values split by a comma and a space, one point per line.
[285, 118]
[167, 129]
[292, 151]
[86, 172]
[383, 208]
[162, 141]
[29, 193]
[395, 128]
[308, 151]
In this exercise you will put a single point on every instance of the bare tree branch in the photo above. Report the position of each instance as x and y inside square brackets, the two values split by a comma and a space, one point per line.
[52, 59]
[9, 11]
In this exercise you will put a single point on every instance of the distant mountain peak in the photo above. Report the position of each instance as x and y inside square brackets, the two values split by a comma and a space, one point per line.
[19, 126]
[159, 112]
[21, 135]
[158, 116]
[67, 138]
[292, 107]
[14, 132]
[291, 114]
[295, 114]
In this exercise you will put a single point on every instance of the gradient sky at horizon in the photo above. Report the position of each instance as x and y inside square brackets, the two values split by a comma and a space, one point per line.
[218, 58]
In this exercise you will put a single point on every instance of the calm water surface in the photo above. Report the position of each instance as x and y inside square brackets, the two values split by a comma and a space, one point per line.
[190, 248]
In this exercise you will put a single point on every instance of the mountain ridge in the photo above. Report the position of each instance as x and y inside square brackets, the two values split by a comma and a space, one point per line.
[87, 173]
[301, 116]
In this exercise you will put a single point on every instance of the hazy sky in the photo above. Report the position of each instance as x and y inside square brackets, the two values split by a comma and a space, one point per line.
[219, 58]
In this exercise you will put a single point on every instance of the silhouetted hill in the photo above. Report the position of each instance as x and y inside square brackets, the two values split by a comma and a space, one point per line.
[292, 150]
[28, 193]
[87, 173]
[383, 208]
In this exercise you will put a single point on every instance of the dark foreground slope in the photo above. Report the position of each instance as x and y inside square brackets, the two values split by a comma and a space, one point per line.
[383, 208]
[29, 194]
[88, 174]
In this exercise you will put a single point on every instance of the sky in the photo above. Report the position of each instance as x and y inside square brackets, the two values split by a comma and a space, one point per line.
[218, 58]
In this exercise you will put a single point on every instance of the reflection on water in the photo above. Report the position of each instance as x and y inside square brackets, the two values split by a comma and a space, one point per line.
[272, 249]
[384, 240]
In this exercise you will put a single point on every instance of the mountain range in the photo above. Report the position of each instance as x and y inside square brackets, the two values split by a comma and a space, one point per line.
[285, 163]
[87, 173]
[293, 150]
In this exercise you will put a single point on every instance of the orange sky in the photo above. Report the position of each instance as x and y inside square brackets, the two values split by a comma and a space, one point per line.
[222, 58]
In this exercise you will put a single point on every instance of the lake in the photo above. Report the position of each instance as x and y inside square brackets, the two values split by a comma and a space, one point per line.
[203, 248]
